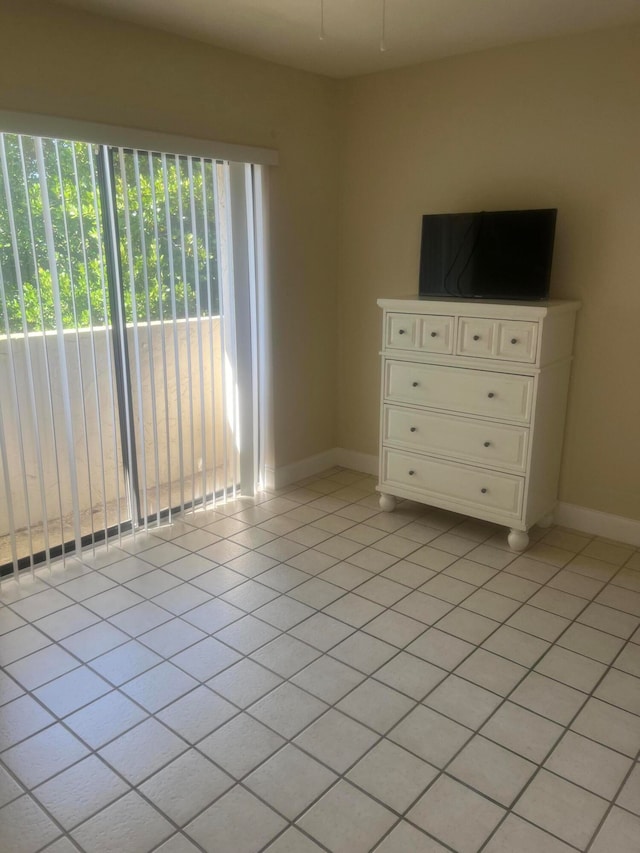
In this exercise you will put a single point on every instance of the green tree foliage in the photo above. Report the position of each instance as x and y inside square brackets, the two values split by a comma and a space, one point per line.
[166, 220]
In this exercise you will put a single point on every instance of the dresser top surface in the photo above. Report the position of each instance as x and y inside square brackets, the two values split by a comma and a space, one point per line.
[478, 307]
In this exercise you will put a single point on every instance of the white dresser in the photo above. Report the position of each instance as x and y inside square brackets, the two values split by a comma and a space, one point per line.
[473, 406]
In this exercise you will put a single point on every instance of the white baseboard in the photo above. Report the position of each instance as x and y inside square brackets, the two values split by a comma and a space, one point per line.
[365, 462]
[580, 518]
[597, 523]
[278, 478]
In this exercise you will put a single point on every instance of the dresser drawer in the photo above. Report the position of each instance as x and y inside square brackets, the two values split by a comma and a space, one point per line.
[517, 341]
[430, 333]
[436, 333]
[457, 389]
[471, 488]
[509, 340]
[481, 442]
[476, 337]
[401, 331]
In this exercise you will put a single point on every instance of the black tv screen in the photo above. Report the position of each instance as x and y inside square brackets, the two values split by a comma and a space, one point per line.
[491, 255]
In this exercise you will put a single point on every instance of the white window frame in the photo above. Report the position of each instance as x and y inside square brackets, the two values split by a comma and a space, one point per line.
[32, 124]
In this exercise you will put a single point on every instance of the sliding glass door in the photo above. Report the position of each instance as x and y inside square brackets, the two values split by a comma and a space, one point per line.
[173, 298]
[126, 392]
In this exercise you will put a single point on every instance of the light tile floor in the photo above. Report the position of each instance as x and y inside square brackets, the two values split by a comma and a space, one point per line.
[300, 672]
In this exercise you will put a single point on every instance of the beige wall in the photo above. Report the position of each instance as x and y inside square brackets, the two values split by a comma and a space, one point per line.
[553, 124]
[63, 62]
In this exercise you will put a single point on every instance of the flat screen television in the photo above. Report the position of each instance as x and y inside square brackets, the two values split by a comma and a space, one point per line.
[487, 255]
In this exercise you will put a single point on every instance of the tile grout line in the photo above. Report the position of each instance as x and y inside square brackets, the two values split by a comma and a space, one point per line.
[245, 711]
[232, 664]
[377, 574]
[477, 732]
[614, 804]
[332, 706]
[474, 733]
[122, 584]
[166, 659]
[421, 702]
[566, 728]
[387, 608]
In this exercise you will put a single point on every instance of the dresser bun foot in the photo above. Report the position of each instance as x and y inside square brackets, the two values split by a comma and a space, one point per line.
[518, 540]
[387, 503]
[546, 521]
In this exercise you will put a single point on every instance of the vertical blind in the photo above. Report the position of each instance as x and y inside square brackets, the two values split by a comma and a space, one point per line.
[121, 366]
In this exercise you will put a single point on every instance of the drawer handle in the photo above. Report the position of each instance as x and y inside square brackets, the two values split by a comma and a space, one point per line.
[476, 337]
[415, 384]
[401, 332]
[514, 340]
[487, 444]
[411, 473]
[434, 334]
[484, 491]
[412, 429]
[491, 395]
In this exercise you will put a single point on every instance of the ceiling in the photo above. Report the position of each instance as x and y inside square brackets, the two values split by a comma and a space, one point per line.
[287, 31]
